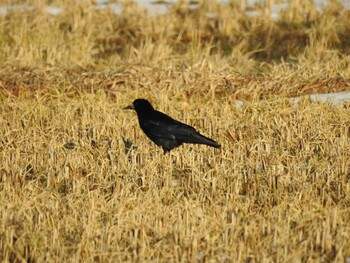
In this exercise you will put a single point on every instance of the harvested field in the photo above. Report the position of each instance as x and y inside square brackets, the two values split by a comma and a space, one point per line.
[80, 182]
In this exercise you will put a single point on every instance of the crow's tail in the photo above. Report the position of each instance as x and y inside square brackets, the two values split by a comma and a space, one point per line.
[201, 139]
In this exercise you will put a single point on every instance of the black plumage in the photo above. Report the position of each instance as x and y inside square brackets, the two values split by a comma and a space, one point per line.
[164, 130]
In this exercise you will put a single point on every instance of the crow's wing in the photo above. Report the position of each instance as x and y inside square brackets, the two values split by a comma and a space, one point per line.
[160, 126]
[163, 126]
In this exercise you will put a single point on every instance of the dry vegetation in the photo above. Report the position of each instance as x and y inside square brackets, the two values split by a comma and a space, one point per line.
[71, 188]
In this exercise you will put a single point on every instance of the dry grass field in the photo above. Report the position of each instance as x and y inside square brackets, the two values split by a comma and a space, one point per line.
[80, 182]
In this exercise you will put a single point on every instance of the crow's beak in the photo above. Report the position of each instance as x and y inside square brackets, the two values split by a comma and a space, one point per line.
[130, 107]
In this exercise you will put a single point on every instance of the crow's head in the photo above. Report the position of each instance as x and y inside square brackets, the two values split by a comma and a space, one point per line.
[140, 105]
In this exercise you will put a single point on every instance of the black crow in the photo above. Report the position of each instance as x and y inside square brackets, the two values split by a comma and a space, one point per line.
[164, 130]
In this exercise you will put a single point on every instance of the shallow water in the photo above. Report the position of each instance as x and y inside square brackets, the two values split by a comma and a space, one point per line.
[336, 98]
[154, 8]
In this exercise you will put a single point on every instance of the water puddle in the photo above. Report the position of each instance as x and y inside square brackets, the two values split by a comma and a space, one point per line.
[158, 7]
[336, 99]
